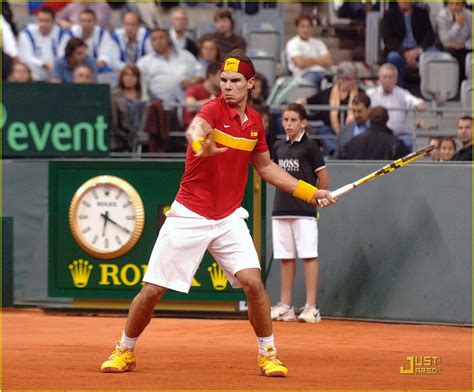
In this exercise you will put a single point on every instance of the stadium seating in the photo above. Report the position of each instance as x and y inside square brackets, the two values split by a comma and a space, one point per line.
[268, 41]
[433, 87]
[466, 94]
[468, 65]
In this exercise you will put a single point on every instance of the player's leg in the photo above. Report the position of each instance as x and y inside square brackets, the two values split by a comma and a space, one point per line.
[235, 252]
[176, 256]
[139, 316]
[284, 249]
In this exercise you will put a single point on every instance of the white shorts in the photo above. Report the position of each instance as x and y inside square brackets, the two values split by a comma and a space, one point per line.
[295, 237]
[184, 238]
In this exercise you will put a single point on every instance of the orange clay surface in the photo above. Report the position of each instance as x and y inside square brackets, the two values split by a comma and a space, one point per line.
[47, 352]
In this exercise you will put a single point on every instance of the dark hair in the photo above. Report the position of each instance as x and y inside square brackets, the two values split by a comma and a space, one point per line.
[296, 107]
[165, 32]
[212, 69]
[90, 12]
[263, 79]
[363, 99]
[302, 17]
[72, 45]
[224, 13]
[239, 54]
[46, 10]
[465, 118]
[136, 72]
[378, 116]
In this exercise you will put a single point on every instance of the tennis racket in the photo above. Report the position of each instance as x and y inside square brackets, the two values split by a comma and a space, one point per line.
[384, 170]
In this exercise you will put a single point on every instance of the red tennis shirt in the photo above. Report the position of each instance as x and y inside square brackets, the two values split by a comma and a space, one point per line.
[214, 186]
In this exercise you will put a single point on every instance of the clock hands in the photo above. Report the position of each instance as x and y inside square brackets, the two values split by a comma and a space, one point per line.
[106, 217]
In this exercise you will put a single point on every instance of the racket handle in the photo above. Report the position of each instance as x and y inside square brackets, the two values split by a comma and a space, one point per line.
[343, 190]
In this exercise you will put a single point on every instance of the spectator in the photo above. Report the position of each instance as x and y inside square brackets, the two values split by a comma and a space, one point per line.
[169, 71]
[259, 93]
[435, 142]
[208, 51]
[71, 13]
[360, 108]
[406, 33]
[224, 36]
[307, 56]
[127, 109]
[389, 95]
[9, 44]
[147, 11]
[378, 142]
[178, 32]
[20, 73]
[83, 74]
[465, 137]
[342, 93]
[75, 55]
[447, 149]
[98, 40]
[41, 43]
[202, 92]
[294, 224]
[132, 42]
[454, 27]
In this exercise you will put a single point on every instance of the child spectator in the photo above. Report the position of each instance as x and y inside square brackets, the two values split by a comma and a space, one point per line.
[294, 224]
[447, 149]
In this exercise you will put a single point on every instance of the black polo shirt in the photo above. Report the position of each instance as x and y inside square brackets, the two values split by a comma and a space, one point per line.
[302, 159]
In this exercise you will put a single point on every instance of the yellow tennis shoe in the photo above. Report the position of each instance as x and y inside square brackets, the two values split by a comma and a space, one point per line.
[119, 361]
[271, 366]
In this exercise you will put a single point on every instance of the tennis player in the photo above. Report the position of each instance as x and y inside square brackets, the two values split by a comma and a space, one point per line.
[224, 137]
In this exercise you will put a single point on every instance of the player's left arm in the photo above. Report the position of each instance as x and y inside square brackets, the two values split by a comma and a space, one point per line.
[270, 172]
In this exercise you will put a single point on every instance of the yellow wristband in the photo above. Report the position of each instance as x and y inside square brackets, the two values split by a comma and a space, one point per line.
[197, 144]
[304, 191]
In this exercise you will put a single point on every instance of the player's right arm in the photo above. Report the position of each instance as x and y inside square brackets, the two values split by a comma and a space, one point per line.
[199, 137]
[270, 172]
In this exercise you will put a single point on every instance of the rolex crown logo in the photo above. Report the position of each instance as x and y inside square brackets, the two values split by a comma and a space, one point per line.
[80, 272]
[218, 278]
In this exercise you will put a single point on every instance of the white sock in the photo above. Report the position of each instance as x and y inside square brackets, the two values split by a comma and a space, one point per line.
[266, 345]
[127, 343]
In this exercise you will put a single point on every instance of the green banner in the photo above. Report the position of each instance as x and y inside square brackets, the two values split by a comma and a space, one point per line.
[101, 236]
[55, 120]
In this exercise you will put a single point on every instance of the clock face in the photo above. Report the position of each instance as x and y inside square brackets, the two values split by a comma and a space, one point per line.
[106, 217]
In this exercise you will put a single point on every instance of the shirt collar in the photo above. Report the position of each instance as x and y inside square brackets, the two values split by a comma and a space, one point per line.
[298, 139]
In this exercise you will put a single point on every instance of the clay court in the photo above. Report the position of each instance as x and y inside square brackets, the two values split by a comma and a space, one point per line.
[57, 352]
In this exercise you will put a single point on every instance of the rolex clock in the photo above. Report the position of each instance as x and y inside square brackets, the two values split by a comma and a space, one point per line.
[106, 217]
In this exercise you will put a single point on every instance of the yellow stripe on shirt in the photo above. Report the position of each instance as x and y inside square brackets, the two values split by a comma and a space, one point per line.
[237, 143]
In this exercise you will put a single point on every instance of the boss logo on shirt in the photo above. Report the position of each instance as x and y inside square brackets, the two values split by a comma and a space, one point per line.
[253, 133]
[290, 165]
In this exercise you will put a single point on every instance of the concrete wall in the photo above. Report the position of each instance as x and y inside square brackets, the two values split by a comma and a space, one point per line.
[398, 248]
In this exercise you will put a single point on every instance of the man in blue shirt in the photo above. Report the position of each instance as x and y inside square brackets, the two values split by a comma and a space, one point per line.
[360, 108]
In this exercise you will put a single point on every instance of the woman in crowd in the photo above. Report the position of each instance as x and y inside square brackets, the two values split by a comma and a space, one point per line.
[341, 93]
[208, 53]
[127, 110]
[20, 73]
[447, 149]
[259, 93]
